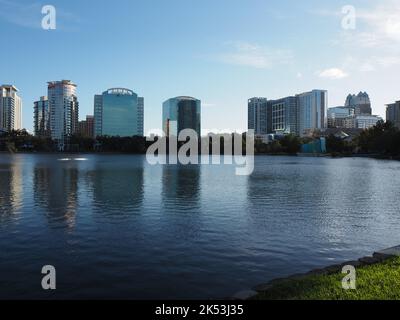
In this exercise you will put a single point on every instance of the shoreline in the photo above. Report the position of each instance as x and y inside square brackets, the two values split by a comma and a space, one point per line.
[300, 155]
[375, 259]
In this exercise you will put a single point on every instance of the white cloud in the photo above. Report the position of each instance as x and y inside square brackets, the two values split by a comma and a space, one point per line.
[254, 55]
[383, 22]
[333, 73]
[388, 61]
[371, 63]
[367, 67]
[377, 26]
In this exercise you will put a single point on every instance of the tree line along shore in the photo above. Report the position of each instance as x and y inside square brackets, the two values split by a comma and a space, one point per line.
[380, 141]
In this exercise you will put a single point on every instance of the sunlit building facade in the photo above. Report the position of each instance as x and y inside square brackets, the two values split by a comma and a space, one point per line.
[86, 127]
[10, 108]
[118, 112]
[259, 116]
[64, 110]
[312, 108]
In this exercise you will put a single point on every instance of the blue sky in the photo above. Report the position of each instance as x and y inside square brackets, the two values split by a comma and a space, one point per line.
[220, 51]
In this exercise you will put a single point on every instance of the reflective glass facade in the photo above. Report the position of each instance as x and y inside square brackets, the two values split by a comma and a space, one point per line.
[181, 113]
[119, 112]
[42, 117]
[312, 109]
[259, 116]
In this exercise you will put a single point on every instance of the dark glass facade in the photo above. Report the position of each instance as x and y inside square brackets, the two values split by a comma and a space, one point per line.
[42, 118]
[181, 113]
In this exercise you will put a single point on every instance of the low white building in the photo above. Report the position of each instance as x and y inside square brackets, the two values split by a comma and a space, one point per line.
[367, 121]
[361, 122]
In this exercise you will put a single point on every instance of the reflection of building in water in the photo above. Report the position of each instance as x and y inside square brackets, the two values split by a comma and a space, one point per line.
[181, 215]
[181, 185]
[56, 189]
[11, 188]
[117, 189]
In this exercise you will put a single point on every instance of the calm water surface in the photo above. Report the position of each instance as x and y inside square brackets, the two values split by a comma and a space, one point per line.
[116, 227]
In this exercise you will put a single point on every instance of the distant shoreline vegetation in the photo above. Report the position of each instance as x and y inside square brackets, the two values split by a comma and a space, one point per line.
[380, 141]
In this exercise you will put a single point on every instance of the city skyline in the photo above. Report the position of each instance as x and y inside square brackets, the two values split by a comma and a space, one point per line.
[280, 115]
[223, 64]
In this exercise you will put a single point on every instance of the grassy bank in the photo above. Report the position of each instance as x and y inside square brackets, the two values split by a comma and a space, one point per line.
[374, 282]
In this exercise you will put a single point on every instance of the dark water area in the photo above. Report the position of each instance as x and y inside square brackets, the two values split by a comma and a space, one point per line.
[115, 226]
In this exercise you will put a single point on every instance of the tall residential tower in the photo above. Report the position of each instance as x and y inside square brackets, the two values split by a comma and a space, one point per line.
[259, 116]
[299, 115]
[64, 110]
[10, 108]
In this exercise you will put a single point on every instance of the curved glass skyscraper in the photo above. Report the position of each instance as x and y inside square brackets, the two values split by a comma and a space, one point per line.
[118, 112]
[181, 113]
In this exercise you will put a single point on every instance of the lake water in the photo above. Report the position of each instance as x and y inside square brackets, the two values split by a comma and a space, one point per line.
[117, 227]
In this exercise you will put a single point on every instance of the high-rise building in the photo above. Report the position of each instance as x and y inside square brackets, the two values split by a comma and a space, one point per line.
[311, 111]
[98, 115]
[118, 112]
[338, 115]
[10, 108]
[393, 113]
[181, 113]
[284, 115]
[42, 117]
[140, 118]
[299, 115]
[259, 116]
[86, 127]
[361, 103]
[64, 110]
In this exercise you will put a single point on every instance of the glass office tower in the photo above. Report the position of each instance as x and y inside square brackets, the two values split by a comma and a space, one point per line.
[312, 109]
[181, 113]
[259, 116]
[42, 117]
[119, 112]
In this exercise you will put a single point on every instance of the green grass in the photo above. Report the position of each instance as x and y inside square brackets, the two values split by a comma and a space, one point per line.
[374, 282]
